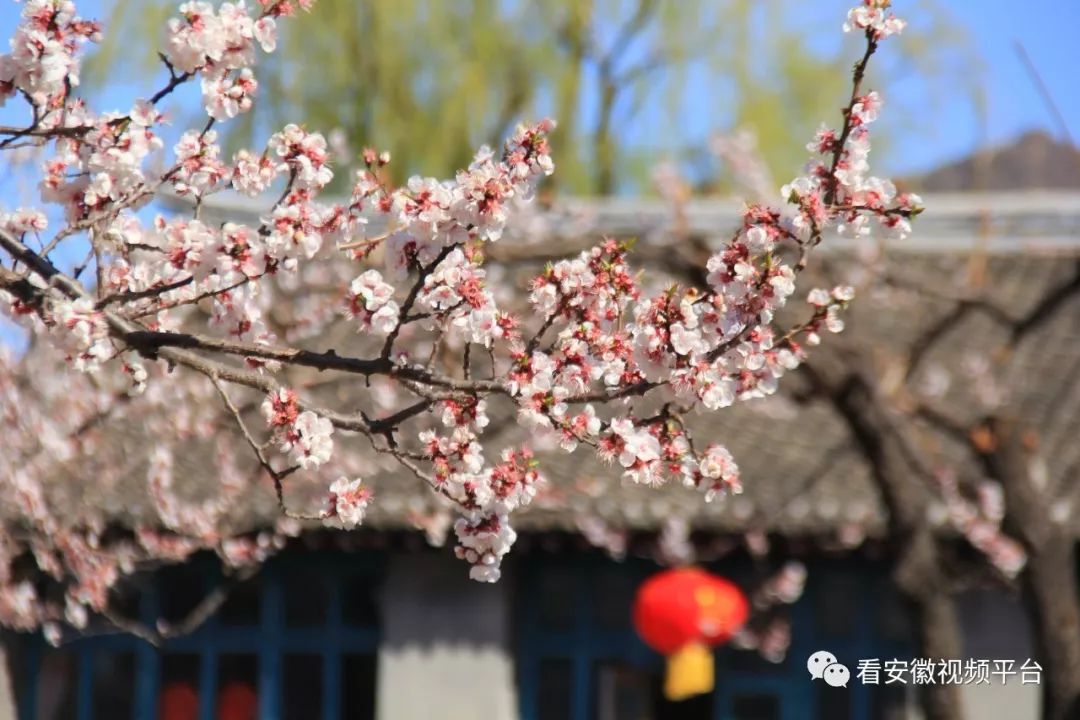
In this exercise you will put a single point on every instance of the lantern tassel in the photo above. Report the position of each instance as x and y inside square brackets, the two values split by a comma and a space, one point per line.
[690, 672]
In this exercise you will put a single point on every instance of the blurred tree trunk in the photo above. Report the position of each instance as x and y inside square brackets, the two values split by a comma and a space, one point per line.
[574, 36]
[1049, 579]
[918, 570]
[604, 145]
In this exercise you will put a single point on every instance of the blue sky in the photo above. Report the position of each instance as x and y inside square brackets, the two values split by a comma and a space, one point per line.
[1047, 30]
[951, 128]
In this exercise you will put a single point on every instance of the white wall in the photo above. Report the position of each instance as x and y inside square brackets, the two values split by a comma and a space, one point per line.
[445, 652]
[7, 694]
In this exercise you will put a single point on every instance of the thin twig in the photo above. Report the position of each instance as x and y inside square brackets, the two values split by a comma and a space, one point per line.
[278, 476]
[1043, 90]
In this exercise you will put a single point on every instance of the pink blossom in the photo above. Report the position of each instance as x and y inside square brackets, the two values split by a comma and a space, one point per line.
[226, 94]
[638, 445]
[716, 473]
[82, 332]
[348, 503]
[871, 16]
[253, 175]
[371, 302]
[187, 312]
[866, 108]
[23, 220]
[303, 154]
[199, 170]
[309, 441]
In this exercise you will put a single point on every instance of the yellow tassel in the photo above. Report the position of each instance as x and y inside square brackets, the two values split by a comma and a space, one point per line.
[689, 672]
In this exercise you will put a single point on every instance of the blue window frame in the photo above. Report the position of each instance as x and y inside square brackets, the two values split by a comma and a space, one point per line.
[302, 635]
[579, 657]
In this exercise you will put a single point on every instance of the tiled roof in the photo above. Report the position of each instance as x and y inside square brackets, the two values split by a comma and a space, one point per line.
[801, 473]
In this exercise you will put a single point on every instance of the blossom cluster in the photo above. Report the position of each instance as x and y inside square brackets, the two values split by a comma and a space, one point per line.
[828, 305]
[199, 169]
[43, 60]
[349, 500]
[838, 176]
[220, 44]
[370, 301]
[599, 358]
[23, 220]
[78, 562]
[873, 17]
[486, 494]
[710, 348]
[483, 532]
[303, 434]
[458, 300]
[431, 215]
[82, 333]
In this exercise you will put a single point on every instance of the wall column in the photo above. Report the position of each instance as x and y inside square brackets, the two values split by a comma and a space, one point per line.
[445, 651]
[7, 691]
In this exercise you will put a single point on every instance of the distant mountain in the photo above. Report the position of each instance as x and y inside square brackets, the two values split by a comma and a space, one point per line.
[1034, 161]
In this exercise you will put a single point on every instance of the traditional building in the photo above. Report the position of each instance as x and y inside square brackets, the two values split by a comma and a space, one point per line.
[381, 623]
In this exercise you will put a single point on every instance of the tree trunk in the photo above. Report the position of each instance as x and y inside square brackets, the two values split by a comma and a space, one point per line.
[1049, 579]
[604, 152]
[917, 570]
[1049, 582]
[575, 36]
[919, 577]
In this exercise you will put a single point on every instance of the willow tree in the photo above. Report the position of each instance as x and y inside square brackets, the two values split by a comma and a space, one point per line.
[425, 79]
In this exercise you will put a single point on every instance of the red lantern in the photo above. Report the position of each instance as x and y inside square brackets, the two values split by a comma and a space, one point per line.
[681, 614]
